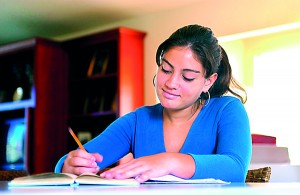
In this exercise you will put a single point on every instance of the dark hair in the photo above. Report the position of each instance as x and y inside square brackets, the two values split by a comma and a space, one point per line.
[212, 56]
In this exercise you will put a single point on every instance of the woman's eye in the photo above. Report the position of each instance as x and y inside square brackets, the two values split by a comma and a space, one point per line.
[188, 79]
[166, 71]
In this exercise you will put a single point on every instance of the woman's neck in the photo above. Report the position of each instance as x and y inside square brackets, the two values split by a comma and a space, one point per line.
[181, 116]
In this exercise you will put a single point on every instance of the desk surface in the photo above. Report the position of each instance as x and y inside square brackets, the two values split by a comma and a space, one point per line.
[162, 189]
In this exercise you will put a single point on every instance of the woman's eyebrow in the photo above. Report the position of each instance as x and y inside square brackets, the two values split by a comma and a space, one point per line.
[167, 62]
[187, 69]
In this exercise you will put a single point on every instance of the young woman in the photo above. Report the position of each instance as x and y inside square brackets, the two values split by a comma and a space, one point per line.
[200, 128]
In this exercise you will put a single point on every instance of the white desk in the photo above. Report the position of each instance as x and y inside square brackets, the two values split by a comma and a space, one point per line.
[162, 189]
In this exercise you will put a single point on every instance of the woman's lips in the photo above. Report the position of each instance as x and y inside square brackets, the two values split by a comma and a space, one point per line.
[169, 95]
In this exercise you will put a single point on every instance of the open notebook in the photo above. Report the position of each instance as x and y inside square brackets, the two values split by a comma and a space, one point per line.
[177, 180]
[50, 179]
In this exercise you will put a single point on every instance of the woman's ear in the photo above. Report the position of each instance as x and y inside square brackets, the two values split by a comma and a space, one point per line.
[210, 81]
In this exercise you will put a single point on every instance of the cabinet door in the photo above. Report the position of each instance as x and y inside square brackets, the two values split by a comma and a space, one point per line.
[50, 128]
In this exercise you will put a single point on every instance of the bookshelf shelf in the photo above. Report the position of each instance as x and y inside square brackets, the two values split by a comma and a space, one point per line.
[6, 106]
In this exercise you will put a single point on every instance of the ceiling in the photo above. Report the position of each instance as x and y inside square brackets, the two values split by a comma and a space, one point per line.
[22, 19]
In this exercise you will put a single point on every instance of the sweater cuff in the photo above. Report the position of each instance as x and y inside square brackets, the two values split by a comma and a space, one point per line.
[60, 163]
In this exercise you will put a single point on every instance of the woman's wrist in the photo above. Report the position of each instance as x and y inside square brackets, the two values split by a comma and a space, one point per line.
[181, 165]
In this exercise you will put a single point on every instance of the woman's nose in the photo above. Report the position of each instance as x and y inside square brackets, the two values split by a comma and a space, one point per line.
[173, 82]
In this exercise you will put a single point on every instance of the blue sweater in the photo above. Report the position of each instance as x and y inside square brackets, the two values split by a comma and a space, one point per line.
[219, 139]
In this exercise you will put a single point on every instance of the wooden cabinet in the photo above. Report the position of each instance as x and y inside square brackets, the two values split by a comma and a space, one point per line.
[105, 79]
[33, 91]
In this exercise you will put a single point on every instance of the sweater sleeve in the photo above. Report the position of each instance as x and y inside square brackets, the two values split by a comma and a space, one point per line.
[233, 146]
[113, 143]
[59, 164]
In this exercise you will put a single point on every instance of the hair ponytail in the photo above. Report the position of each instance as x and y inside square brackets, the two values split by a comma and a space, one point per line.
[226, 83]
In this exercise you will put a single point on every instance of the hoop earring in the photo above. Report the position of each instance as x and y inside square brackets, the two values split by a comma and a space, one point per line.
[153, 81]
[208, 100]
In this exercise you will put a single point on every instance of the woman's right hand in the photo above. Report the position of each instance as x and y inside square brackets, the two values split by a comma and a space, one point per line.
[80, 161]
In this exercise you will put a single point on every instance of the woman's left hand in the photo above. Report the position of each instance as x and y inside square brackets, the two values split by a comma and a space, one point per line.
[145, 168]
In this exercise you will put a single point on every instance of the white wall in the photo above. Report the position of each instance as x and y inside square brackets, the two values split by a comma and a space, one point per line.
[224, 17]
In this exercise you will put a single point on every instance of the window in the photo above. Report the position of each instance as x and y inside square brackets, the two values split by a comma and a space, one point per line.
[268, 66]
[274, 104]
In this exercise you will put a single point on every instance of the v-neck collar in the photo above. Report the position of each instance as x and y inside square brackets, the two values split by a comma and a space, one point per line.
[190, 133]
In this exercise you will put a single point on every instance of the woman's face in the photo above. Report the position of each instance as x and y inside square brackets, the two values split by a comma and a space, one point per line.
[180, 79]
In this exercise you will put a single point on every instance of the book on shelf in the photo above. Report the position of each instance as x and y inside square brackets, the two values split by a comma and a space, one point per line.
[99, 63]
[100, 100]
[53, 179]
[94, 101]
[114, 103]
[92, 104]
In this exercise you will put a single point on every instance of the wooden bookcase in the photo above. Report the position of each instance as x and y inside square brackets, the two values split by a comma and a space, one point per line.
[85, 83]
[39, 67]
[105, 79]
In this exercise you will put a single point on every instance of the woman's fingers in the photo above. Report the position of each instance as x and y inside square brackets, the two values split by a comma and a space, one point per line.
[98, 157]
[142, 168]
[126, 170]
[143, 177]
[79, 161]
